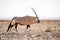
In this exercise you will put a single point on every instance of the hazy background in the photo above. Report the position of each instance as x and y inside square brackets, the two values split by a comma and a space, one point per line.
[46, 9]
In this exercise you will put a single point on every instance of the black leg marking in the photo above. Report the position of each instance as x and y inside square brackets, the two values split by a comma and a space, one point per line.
[10, 26]
[16, 26]
[28, 26]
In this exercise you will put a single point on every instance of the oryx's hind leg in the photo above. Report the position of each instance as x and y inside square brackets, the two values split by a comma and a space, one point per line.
[9, 28]
[28, 26]
[16, 26]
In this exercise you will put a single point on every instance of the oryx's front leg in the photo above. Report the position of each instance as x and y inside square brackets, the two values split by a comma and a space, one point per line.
[28, 26]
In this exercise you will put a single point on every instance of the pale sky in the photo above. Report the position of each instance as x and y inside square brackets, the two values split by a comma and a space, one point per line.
[46, 9]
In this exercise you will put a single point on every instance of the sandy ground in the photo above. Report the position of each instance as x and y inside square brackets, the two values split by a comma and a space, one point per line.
[45, 30]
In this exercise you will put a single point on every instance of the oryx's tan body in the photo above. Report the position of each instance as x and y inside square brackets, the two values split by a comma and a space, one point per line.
[27, 20]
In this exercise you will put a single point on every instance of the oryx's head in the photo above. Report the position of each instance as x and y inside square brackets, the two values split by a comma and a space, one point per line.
[36, 15]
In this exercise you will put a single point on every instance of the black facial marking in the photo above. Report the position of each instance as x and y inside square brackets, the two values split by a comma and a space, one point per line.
[38, 21]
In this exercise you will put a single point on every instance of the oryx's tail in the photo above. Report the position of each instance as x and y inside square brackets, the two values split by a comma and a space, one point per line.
[10, 25]
[36, 14]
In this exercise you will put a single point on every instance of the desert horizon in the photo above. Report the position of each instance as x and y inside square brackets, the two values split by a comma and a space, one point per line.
[49, 18]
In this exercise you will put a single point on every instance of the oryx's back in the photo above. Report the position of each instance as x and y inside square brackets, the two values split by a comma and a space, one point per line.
[26, 20]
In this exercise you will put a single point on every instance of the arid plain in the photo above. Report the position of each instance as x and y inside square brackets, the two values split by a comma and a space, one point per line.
[45, 30]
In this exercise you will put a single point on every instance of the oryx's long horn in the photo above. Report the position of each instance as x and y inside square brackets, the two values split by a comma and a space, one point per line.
[35, 13]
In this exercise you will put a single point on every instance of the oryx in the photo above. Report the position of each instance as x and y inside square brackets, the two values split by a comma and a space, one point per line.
[26, 20]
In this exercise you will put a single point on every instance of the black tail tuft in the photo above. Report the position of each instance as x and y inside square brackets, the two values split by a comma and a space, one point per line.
[9, 27]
